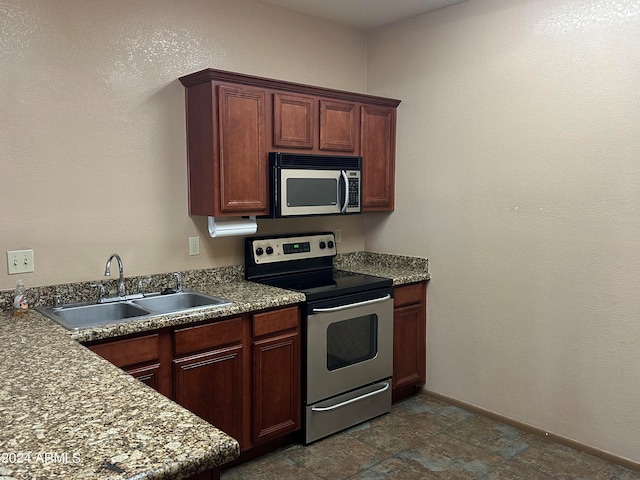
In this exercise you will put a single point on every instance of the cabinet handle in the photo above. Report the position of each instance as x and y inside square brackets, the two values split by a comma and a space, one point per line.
[347, 402]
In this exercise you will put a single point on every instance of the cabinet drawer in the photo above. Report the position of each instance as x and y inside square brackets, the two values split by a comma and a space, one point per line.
[131, 351]
[275, 321]
[408, 294]
[204, 337]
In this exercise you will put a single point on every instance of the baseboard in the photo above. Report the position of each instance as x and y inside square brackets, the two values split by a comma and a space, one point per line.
[625, 462]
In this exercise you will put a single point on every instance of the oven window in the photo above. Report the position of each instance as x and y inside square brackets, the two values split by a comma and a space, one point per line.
[312, 192]
[352, 341]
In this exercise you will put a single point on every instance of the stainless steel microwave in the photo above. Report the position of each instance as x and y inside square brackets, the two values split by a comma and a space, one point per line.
[303, 184]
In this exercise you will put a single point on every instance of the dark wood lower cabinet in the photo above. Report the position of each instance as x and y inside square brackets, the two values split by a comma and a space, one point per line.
[145, 357]
[276, 386]
[210, 385]
[276, 373]
[409, 339]
[241, 374]
[149, 374]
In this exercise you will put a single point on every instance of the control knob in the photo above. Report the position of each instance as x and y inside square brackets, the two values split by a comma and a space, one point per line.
[330, 244]
[269, 250]
[259, 251]
[322, 245]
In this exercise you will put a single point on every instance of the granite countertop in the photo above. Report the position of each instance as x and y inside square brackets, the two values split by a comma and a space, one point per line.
[402, 269]
[68, 413]
[245, 297]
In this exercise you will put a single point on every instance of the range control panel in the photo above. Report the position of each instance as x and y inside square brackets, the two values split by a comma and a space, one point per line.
[284, 249]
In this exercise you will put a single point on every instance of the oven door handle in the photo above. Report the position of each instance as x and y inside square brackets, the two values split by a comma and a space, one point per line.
[347, 402]
[351, 305]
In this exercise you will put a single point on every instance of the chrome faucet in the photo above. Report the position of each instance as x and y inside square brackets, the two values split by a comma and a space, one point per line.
[107, 272]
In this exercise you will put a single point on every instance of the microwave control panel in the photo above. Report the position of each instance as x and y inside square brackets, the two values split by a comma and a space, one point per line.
[285, 249]
[354, 193]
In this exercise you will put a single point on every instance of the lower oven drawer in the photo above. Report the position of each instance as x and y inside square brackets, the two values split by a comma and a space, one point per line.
[346, 410]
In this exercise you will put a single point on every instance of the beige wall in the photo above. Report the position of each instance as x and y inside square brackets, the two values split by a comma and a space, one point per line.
[92, 135]
[518, 176]
[517, 173]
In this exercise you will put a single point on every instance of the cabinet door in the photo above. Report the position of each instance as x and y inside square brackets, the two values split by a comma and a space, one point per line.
[409, 337]
[243, 159]
[140, 357]
[408, 347]
[276, 386]
[339, 125]
[378, 146]
[210, 385]
[148, 374]
[294, 117]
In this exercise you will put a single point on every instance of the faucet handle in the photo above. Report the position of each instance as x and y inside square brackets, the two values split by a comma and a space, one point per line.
[100, 288]
[178, 278]
[141, 284]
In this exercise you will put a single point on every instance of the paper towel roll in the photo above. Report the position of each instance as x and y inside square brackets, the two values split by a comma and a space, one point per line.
[228, 227]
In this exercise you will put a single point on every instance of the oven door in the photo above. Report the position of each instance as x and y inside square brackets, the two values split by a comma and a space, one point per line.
[349, 343]
[317, 192]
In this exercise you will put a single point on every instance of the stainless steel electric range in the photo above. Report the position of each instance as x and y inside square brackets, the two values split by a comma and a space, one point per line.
[347, 329]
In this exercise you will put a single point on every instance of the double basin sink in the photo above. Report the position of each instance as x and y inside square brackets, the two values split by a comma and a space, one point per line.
[86, 315]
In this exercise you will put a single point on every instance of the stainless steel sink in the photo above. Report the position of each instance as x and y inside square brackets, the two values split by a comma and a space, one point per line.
[79, 316]
[177, 302]
[93, 315]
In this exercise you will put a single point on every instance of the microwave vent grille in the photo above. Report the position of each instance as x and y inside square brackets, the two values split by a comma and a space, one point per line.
[319, 161]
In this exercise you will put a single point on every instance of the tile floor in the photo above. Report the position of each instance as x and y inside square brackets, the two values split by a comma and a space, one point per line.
[423, 438]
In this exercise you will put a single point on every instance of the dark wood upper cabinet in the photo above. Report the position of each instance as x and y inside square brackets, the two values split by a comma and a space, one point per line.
[378, 150]
[293, 121]
[339, 124]
[227, 150]
[234, 120]
[243, 156]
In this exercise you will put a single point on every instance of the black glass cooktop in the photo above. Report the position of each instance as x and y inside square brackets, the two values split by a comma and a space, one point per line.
[321, 284]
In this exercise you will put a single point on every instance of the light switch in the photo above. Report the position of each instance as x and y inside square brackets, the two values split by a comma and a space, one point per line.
[20, 261]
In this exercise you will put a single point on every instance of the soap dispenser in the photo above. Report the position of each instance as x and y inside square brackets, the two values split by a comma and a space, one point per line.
[20, 301]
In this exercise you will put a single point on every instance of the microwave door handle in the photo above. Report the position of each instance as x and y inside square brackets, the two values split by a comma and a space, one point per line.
[343, 174]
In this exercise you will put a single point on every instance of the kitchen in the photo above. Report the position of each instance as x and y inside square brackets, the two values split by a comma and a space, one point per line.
[514, 175]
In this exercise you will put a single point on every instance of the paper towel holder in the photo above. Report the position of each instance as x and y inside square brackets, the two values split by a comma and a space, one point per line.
[232, 226]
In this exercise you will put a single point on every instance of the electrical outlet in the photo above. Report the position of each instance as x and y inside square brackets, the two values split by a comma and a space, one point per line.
[20, 261]
[194, 245]
[338, 233]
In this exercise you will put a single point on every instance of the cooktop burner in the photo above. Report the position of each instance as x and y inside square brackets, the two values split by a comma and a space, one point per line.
[323, 284]
[304, 263]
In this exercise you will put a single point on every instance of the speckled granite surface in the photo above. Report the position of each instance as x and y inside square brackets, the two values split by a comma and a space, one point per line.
[67, 413]
[246, 297]
[83, 291]
[400, 268]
